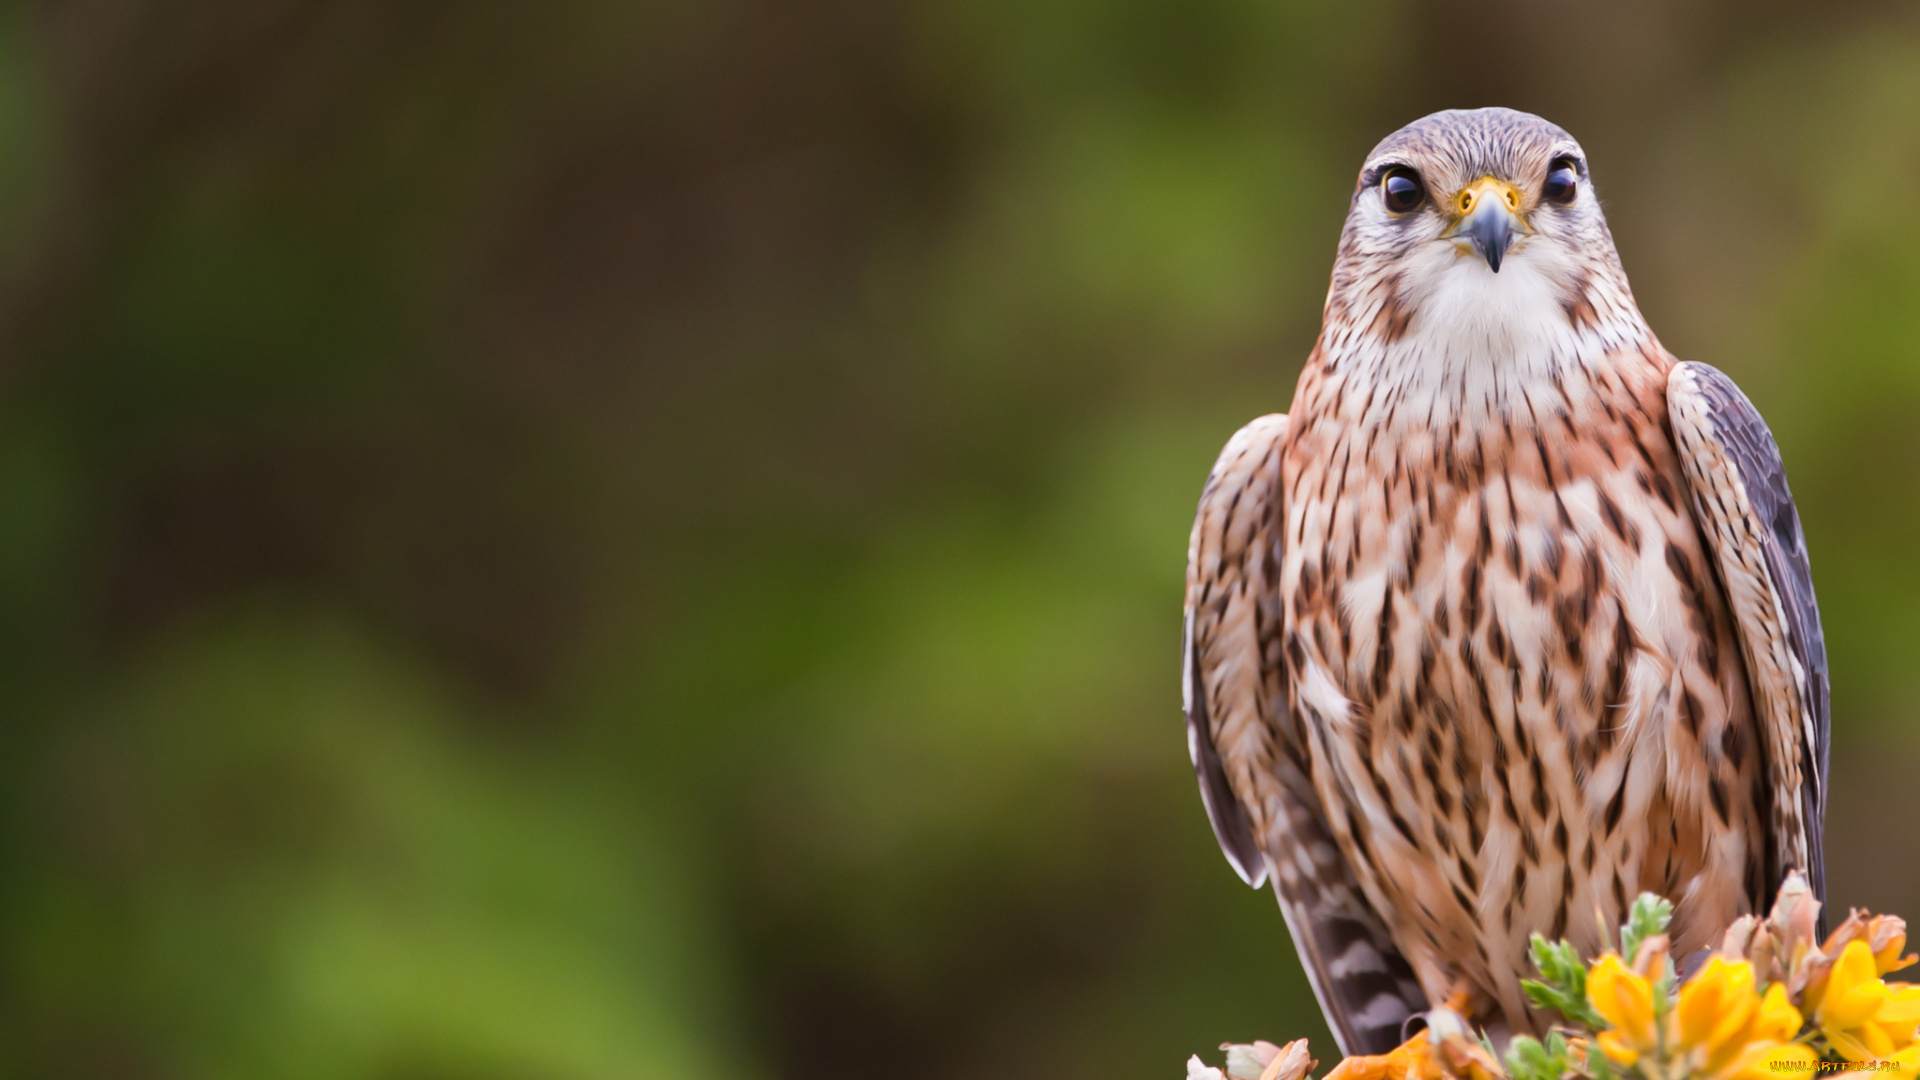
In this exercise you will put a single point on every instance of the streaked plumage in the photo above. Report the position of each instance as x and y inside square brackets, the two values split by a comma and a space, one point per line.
[1509, 619]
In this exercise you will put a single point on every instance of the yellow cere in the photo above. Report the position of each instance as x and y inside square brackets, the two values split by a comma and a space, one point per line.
[1487, 187]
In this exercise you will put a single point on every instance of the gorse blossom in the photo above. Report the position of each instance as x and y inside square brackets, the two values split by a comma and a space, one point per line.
[1773, 1002]
[1724, 1028]
[1718, 1026]
[1625, 998]
[1863, 1017]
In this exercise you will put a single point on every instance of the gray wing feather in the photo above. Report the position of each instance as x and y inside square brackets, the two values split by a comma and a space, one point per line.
[1230, 825]
[1251, 759]
[1744, 506]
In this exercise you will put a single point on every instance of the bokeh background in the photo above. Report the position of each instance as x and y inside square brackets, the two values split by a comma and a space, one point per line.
[644, 540]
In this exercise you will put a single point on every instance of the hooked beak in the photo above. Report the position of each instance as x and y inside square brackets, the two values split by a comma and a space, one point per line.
[1489, 219]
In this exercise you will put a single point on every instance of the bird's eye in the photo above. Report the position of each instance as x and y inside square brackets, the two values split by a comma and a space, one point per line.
[1563, 181]
[1402, 190]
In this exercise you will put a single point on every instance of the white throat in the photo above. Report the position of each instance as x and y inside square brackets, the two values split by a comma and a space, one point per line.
[1481, 341]
[1468, 315]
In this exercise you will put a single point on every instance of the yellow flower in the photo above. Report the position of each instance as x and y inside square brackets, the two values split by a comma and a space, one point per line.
[1777, 1019]
[1772, 1061]
[1768, 1053]
[1904, 1061]
[1625, 998]
[1723, 1028]
[1887, 936]
[1711, 1017]
[1720, 1027]
[1864, 1018]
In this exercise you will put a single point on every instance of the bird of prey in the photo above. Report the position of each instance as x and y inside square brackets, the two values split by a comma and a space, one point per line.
[1509, 619]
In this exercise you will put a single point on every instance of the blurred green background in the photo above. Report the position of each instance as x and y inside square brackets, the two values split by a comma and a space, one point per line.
[593, 540]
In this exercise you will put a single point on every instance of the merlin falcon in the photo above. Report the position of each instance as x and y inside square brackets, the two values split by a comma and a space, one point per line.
[1509, 619]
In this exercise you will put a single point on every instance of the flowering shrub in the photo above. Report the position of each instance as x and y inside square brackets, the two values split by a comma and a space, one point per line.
[1771, 1003]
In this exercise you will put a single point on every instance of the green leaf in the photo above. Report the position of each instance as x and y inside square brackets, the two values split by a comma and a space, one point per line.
[1574, 1007]
[1563, 983]
[1647, 918]
[1530, 1059]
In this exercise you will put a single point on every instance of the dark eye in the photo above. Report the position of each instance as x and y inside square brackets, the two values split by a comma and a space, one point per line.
[1402, 189]
[1563, 181]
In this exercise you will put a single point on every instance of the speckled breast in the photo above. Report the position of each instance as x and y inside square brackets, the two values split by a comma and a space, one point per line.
[1521, 689]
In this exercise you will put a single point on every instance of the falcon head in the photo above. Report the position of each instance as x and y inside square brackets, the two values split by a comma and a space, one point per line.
[1481, 219]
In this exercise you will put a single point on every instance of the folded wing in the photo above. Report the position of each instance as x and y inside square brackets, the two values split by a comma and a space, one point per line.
[1250, 756]
[1742, 504]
